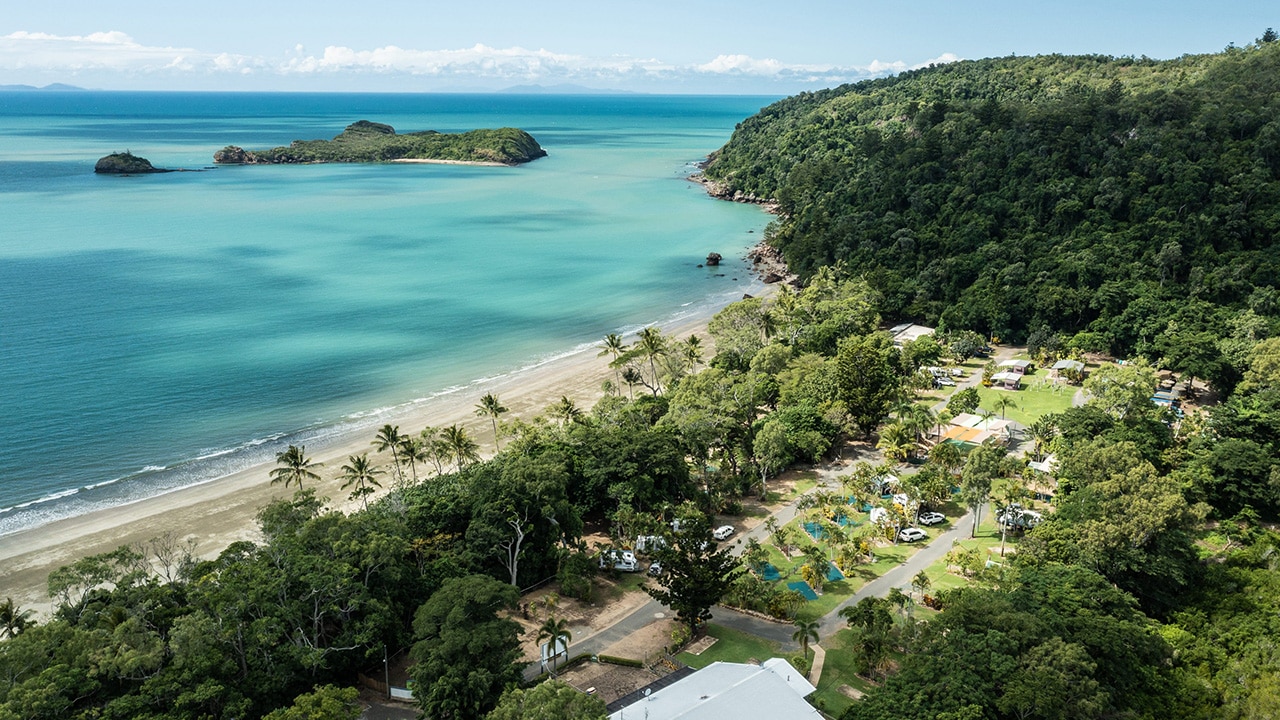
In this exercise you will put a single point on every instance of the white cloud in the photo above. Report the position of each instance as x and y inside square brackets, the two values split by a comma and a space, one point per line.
[117, 52]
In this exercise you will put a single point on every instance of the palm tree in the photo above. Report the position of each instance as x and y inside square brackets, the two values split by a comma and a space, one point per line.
[491, 408]
[12, 619]
[463, 449]
[897, 441]
[411, 450]
[920, 583]
[946, 456]
[565, 410]
[692, 349]
[806, 631]
[631, 376]
[389, 438]
[361, 473]
[295, 467]
[652, 344]
[1002, 403]
[614, 346]
[557, 632]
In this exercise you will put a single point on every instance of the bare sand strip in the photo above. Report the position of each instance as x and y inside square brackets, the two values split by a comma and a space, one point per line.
[217, 513]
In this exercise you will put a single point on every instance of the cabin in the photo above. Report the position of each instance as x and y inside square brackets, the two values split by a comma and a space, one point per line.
[1007, 380]
[1021, 367]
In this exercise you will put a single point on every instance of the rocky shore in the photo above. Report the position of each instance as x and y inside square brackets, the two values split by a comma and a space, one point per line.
[766, 261]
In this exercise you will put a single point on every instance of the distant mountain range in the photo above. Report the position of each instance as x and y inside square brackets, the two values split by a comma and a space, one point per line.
[58, 87]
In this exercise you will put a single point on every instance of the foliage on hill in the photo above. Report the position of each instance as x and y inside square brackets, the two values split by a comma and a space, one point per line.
[365, 141]
[1124, 199]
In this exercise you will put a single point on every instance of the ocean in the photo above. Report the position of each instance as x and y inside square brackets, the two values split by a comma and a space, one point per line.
[163, 330]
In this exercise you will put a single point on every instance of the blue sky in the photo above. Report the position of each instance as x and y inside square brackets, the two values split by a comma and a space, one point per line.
[691, 46]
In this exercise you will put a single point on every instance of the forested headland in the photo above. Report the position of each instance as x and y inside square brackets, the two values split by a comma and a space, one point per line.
[365, 141]
[1129, 205]
[1087, 205]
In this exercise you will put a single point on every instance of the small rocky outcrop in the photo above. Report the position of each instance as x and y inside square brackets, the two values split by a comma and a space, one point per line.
[125, 163]
[234, 155]
[713, 259]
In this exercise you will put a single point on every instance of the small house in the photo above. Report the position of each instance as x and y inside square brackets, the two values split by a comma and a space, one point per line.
[1021, 367]
[1067, 368]
[1007, 380]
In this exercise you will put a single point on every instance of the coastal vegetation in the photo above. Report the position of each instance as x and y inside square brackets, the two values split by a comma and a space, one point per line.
[1121, 205]
[1084, 204]
[365, 141]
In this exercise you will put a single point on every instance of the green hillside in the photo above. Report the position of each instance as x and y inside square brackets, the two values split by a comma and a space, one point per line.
[1109, 196]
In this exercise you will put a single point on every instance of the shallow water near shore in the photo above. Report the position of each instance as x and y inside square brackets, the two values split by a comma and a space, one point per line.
[164, 330]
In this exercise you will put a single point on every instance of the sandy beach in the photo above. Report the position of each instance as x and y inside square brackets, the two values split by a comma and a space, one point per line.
[216, 513]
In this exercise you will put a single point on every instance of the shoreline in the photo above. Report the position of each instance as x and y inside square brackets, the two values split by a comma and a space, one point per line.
[429, 161]
[212, 514]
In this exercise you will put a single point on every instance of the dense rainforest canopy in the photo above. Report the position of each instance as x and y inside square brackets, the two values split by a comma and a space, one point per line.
[1124, 199]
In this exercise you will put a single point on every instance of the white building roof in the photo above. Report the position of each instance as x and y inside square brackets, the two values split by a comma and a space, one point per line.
[1068, 364]
[1016, 363]
[729, 690]
[908, 332]
[1007, 377]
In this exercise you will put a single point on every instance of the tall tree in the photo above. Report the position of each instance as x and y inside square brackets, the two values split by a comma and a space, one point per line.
[806, 632]
[614, 347]
[556, 632]
[363, 475]
[465, 654]
[698, 574]
[651, 343]
[462, 448]
[389, 438]
[491, 408]
[295, 467]
[865, 379]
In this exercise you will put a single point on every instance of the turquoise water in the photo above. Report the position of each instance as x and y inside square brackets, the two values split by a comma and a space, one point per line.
[163, 330]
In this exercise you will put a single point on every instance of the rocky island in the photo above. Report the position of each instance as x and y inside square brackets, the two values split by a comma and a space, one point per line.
[125, 163]
[366, 141]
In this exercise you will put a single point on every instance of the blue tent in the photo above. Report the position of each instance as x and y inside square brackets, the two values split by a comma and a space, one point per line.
[804, 589]
[833, 573]
[814, 530]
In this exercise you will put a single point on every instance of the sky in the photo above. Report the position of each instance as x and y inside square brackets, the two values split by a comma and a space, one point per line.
[688, 46]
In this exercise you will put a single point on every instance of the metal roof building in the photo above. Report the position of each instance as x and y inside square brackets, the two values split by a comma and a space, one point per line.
[728, 690]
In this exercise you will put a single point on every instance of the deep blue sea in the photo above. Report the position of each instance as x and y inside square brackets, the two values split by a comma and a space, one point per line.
[163, 330]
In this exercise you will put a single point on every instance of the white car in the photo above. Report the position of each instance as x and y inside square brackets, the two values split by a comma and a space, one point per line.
[912, 534]
[722, 532]
[932, 518]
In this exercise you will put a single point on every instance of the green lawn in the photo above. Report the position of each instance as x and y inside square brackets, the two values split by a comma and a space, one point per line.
[837, 670]
[1033, 400]
[731, 646]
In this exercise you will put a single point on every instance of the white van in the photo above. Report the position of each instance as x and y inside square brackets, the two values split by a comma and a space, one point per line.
[623, 560]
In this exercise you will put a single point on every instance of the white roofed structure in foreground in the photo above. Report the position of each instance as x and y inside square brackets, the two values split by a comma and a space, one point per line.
[731, 691]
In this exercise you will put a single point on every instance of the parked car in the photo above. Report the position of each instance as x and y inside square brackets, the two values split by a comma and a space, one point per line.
[723, 532]
[912, 534]
[932, 518]
[623, 560]
[944, 382]
[655, 569]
